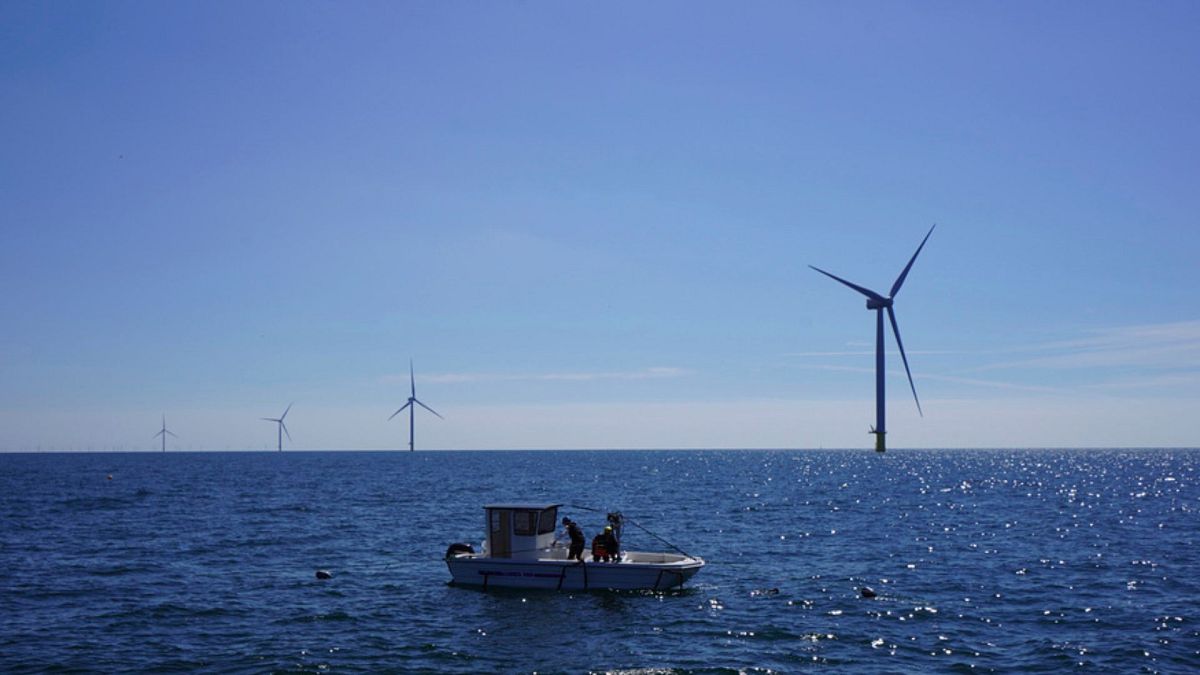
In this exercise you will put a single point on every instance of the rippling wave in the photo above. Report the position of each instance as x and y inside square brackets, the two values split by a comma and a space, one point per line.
[967, 561]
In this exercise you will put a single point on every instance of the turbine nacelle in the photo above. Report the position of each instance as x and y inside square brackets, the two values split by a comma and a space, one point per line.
[879, 303]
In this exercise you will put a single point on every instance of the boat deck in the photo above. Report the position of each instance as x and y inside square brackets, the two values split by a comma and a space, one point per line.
[552, 569]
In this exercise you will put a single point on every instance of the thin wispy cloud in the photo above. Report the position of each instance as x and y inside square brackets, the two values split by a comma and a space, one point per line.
[1165, 355]
[971, 381]
[1172, 346]
[652, 373]
[992, 384]
[1167, 345]
[836, 369]
[871, 352]
[1187, 379]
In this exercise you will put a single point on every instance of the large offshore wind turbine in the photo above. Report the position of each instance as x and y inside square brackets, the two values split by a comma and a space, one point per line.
[880, 303]
[282, 427]
[412, 381]
[164, 433]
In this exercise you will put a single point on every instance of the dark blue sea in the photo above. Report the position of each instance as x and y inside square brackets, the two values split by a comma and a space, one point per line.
[981, 561]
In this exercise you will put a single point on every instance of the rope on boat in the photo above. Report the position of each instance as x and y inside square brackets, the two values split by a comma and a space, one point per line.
[636, 524]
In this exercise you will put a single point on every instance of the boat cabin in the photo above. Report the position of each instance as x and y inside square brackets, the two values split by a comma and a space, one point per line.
[520, 531]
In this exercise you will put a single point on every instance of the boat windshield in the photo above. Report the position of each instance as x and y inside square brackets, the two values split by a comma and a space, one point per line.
[524, 522]
[548, 521]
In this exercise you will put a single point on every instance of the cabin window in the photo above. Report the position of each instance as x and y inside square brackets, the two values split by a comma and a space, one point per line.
[524, 522]
[548, 522]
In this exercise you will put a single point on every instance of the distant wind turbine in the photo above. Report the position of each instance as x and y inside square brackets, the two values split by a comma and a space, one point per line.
[164, 433]
[282, 427]
[880, 303]
[411, 408]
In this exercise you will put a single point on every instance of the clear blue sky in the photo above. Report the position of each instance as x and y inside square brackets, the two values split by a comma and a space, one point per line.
[589, 224]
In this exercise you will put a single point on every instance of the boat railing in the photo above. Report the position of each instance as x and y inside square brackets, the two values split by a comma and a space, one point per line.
[654, 558]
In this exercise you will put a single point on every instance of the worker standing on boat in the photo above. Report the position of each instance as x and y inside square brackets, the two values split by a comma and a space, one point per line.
[612, 547]
[576, 534]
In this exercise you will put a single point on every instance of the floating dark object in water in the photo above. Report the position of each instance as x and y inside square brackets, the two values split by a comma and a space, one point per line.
[110, 476]
[324, 574]
[764, 591]
[868, 592]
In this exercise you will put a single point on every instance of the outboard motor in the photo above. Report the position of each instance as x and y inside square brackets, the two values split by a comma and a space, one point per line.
[457, 549]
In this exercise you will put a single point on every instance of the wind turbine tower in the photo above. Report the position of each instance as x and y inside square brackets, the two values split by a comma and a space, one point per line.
[879, 304]
[164, 433]
[282, 427]
[411, 408]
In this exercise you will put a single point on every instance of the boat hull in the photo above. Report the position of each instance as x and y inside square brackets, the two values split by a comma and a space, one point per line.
[654, 572]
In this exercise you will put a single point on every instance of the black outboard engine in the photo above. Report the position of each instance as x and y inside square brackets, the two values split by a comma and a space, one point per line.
[456, 549]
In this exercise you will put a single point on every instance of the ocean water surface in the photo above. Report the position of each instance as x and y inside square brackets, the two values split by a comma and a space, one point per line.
[980, 561]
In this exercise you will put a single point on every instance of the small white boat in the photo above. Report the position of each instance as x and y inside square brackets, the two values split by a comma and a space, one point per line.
[521, 552]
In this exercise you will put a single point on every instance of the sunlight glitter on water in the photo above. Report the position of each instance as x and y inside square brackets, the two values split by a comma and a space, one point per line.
[1101, 541]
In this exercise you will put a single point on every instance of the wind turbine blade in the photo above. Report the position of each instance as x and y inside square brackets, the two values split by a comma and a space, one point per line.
[172, 433]
[268, 419]
[400, 410]
[865, 291]
[429, 409]
[896, 332]
[285, 431]
[412, 378]
[900, 279]
[158, 434]
[285, 412]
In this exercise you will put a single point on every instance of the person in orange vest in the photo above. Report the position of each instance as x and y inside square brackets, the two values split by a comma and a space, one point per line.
[599, 552]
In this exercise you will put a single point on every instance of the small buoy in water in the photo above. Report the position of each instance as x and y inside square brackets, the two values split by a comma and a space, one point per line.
[868, 592]
[324, 574]
[110, 476]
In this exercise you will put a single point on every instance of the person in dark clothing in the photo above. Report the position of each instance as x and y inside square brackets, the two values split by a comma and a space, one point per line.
[612, 547]
[599, 554]
[577, 542]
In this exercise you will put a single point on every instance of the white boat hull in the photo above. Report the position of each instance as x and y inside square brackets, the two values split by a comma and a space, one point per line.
[635, 571]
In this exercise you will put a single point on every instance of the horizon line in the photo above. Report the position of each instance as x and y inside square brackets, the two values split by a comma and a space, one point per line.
[864, 449]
